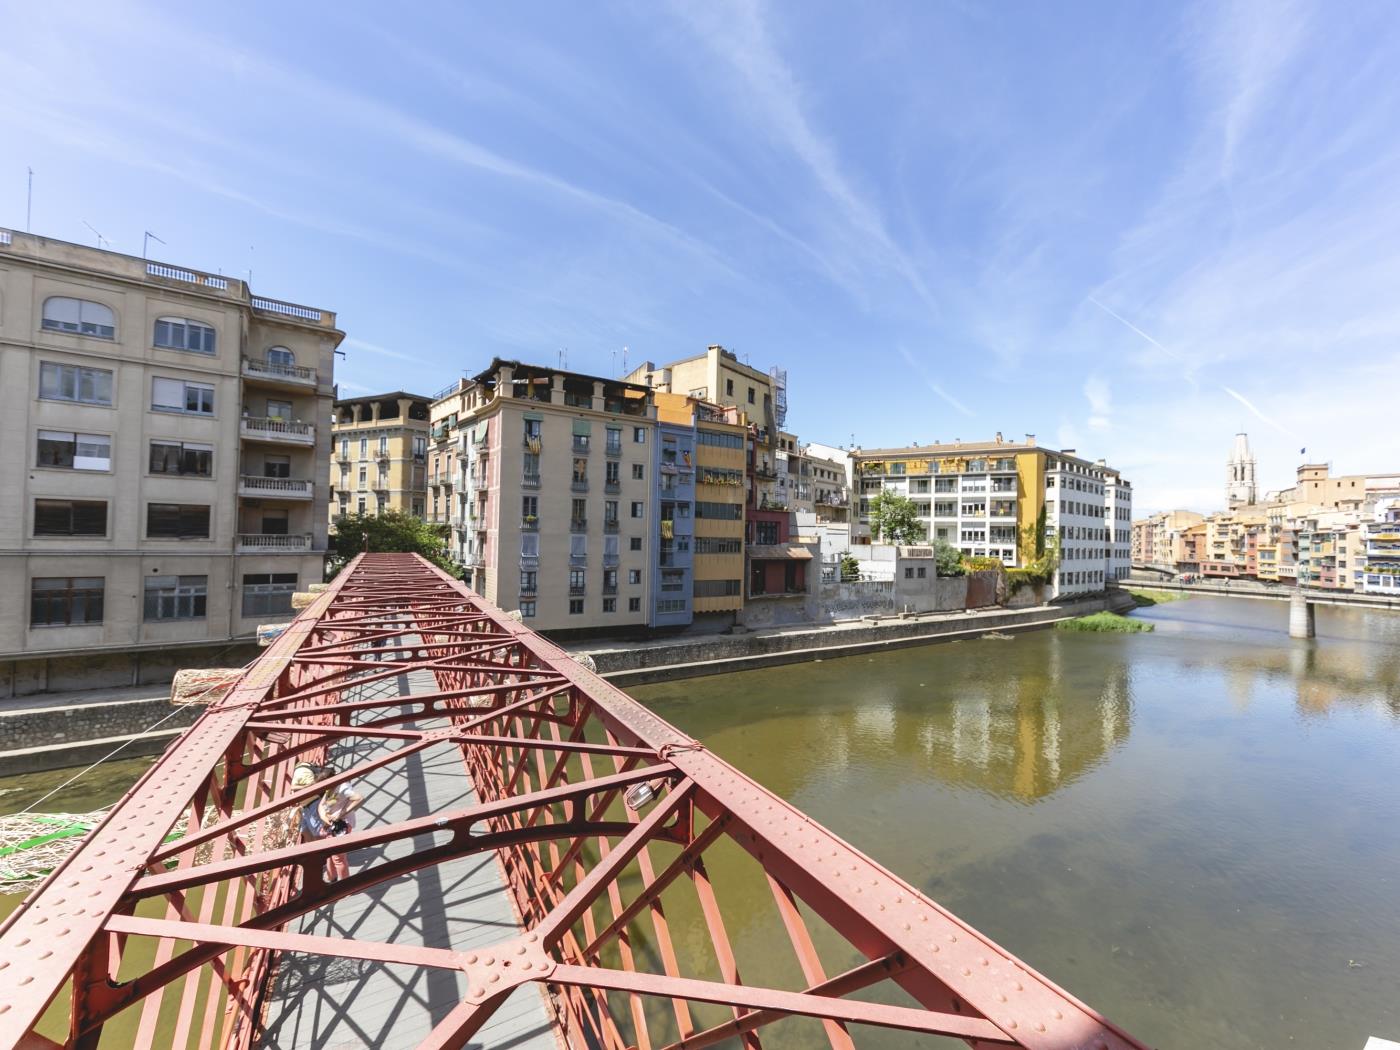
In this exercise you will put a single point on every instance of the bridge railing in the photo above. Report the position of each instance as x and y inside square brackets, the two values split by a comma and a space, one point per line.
[626, 845]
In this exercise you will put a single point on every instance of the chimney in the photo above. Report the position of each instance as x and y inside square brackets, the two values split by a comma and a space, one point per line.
[1030, 439]
[998, 437]
[1067, 452]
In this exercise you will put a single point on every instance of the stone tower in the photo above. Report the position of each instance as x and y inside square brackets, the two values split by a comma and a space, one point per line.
[1239, 479]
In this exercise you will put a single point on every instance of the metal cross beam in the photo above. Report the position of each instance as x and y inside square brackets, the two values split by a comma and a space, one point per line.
[609, 824]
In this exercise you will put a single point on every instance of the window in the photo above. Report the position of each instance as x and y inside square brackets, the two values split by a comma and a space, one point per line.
[634, 576]
[79, 316]
[634, 605]
[277, 466]
[179, 333]
[527, 581]
[610, 605]
[176, 395]
[581, 471]
[634, 543]
[383, 444]
[729, 387]
[360, 505]
[751, 400]
[719, 511]
[364, 477]
[529, 509]
[578, 547]
[610, 512]
[638, 508]
[716, 440]
[609, 581]
[614, 445]
[185, 458]
[529, 544]
[766, 532]
[277, 522]
[639, 435]
[279, 410]
[66, 517]
[923, 572]
[177, 521]
[577, 578]
[90, 386]
[532, 428]
[58, 601]
[908, 572]
[280, 357]
[638, 472]
[268, 593]
[527, 610]
[575, 606]
[73, 451]
[716, 588]
[716, 545]
[364, 448]
[176, 597]
[578, 511]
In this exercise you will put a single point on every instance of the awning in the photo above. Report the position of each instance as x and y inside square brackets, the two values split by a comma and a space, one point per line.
[778, 552]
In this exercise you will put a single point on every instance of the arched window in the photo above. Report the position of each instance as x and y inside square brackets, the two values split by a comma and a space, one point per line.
[281, 357]
[180, 333]
[62, 314]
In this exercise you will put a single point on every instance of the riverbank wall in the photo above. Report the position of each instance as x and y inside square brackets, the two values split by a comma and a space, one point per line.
[74, 729]
[643, 664]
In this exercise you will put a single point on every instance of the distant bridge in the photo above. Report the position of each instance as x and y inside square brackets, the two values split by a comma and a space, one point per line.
[1278, 592]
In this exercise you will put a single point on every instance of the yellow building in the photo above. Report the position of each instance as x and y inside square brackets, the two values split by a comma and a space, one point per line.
[992, 499]
[379, 454]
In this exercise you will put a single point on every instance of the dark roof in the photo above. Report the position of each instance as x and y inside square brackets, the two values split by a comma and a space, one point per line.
[488, 375]
[393, 396]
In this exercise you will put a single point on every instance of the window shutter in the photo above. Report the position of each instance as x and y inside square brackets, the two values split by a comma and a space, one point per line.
[583, 427]
[168, 393]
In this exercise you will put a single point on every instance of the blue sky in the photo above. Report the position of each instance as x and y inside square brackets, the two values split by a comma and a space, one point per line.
[1129, 228]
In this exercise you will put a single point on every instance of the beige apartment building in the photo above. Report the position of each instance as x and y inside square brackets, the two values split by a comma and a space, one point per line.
[1158, 540]
[380, 454]
[168, 464]
[552, 492]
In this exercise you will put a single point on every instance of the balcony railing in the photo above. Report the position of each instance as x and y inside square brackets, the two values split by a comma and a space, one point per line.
[578, 524]
[580, 443]
[259, 543]
[609, 589]
[530, 481]
[613, 448]
[579, 485]
[577, 592]
[279, 430]
[530, 524]
[610, 524]
[275, 488]
[612, 488]
[277, 372]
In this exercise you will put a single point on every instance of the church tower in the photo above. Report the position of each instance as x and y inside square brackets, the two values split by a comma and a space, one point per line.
[1239, 481]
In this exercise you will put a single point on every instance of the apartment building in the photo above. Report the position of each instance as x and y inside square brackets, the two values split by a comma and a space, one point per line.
[170, 456]
[721, 444]
[380, 454]
[1156, 540]
[1382, 538]
[550, 493]
[674, 498]
[990, 499]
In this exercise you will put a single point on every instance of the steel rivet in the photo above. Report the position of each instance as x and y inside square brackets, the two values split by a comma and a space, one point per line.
[1040, 1026]
[967, 972]
[471, 959]
[952, 936]
[1010, 1025]
[1056, 1014]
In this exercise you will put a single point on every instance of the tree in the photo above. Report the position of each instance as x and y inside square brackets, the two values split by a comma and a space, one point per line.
[850, 567]
[947, 559]
[893, 518]
[392, 532]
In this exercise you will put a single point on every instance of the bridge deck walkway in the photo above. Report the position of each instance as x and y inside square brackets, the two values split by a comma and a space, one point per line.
[345, 1004]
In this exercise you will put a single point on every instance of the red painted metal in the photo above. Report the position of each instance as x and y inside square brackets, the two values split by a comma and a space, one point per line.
[595, 884]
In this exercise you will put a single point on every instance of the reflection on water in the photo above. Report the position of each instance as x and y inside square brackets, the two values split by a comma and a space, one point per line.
[1197, 829]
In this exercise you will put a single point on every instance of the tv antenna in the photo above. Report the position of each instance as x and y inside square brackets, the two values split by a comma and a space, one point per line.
[146, 242]
[29, 201]
[99, 236]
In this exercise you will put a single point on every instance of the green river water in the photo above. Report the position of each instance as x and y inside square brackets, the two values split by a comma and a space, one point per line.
[1196, 830]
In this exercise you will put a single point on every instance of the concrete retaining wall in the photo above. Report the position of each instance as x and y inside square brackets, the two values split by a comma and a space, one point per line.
[694, 658]
[61, 674]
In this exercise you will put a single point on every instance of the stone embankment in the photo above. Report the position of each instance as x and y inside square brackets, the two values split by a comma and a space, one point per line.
[54, 731]
[673, 659]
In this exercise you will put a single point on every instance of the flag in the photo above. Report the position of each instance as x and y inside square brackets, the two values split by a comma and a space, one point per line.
[1302, 452]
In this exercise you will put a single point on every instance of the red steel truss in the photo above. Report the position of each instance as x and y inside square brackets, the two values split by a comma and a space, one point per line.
[602, 817]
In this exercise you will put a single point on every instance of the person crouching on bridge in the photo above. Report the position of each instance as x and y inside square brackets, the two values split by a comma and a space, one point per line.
[328, 815]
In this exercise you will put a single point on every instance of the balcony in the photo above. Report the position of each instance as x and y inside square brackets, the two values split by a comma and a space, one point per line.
[613, 449]
[577, 591]
[609, 589]
[279, 374]
[578, 524]
[277, 431]
[530, 481]
[612, 488]
[611, 524]
[580, 444]
[530, 523]
[259, 543]
[275, 488]
[578, 485]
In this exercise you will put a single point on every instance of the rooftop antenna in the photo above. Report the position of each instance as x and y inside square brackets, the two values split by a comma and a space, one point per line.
[624, 360]
[250, 264]
[147, 241]
[100, 238]
[614, 362]
[29, 201]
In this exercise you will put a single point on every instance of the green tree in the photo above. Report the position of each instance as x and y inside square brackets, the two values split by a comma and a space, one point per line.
[850, 568]
[892, 518]
[947, 559]
[391, 532]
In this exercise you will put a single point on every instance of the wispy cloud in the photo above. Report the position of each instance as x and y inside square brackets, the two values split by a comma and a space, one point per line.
[1100, 400]
[1254, 411]
[352, 343]
[918, 366]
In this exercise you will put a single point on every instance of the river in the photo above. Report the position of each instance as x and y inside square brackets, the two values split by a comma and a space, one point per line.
[1196, 830]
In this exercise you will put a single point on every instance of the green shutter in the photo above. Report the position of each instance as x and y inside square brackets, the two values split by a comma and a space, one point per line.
[534, 415]
[583, 426]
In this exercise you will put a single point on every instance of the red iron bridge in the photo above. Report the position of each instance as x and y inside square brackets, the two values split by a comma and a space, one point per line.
[535, 865]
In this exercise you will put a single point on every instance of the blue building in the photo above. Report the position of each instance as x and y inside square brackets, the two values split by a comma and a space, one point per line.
[673, 575]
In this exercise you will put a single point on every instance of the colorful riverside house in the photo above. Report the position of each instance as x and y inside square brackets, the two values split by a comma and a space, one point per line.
[1382, 536]
[721, 441]
[554, 502]
[379, 449]
[998, 499]
[674, 498]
